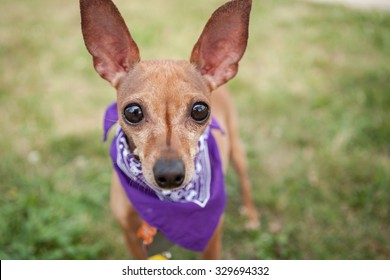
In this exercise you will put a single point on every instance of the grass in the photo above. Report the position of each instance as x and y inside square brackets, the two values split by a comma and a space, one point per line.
[313, 96]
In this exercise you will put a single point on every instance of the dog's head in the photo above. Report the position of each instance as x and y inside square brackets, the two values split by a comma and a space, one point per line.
[164, 105]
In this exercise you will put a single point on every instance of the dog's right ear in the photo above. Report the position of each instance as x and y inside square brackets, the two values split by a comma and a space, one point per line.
[107, 39]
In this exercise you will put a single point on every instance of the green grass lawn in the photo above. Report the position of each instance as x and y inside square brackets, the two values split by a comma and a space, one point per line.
[313, 92]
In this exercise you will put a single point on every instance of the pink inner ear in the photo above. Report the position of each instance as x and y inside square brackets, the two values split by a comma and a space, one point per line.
[107, 39]
[217, 51]
[223, 42]
[114, 59]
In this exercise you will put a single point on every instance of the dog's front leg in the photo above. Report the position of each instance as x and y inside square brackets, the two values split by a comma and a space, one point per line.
[214, 247]
[127, 217]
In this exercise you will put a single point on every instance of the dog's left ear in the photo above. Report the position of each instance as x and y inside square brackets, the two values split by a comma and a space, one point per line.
[223, 42]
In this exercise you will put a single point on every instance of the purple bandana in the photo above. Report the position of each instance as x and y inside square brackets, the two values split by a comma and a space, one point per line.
[188, 216]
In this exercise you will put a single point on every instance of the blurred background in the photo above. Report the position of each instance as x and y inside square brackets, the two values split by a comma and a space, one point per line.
[313, 95]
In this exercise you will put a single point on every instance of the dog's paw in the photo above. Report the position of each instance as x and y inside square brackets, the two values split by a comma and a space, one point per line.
[252, 224]
[251, 214]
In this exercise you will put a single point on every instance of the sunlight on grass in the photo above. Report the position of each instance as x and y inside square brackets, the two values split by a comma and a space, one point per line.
[313, 96]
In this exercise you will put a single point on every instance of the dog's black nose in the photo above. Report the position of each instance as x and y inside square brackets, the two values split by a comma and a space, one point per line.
[169, 173]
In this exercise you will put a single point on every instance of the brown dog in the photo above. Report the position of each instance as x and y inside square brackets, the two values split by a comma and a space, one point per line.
[164, 110]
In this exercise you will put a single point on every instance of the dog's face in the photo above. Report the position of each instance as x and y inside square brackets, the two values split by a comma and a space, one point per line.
[164, 106]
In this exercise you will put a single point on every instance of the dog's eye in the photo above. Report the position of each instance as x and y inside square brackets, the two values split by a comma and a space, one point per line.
[133, 113]
[200, 112]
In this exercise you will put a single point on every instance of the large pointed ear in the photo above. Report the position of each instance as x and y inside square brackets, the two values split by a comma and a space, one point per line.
[223, 42]
[107, 39]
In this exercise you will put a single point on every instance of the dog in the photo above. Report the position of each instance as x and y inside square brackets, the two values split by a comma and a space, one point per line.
[177, 128]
